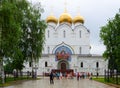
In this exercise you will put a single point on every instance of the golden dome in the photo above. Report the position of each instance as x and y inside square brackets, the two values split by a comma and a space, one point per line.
[78, 18]
[65, 17]
[52, 18]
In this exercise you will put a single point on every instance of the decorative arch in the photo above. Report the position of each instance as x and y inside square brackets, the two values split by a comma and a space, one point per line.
[63, 52]
[63, 44]
[63, 65]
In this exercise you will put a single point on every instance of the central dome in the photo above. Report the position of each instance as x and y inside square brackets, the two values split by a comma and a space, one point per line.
[65, 17]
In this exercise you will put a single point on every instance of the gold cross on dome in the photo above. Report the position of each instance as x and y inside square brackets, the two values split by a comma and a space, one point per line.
[78, 12]
[51, 10]
[65, 6]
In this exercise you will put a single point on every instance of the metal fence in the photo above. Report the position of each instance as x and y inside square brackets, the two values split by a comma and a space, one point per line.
[112, 76]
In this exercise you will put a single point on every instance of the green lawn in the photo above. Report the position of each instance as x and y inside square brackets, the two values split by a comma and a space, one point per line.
[111, 82]
[99, 80]
[10, 80]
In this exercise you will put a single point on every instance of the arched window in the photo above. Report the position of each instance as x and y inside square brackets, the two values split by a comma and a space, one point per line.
[30, 64]
[80, 50]
[80, 34]
[48, 33]
[46, 64]
[64, 34]
[97, 64]
[81, 64]
[48, 50]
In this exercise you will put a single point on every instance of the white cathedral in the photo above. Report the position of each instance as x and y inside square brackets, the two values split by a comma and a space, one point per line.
[67, 48]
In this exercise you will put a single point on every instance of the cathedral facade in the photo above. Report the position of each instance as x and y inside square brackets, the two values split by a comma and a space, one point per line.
[67, 47]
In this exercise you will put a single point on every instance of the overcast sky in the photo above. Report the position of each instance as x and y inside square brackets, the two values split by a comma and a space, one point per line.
[95, 13]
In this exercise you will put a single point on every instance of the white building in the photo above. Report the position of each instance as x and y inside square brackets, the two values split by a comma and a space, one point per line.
[67, 47]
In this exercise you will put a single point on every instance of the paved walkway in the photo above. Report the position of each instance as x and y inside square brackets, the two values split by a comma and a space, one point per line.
[64, 83]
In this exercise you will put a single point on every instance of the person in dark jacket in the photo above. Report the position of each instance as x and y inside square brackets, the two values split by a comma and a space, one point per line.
[51, 78]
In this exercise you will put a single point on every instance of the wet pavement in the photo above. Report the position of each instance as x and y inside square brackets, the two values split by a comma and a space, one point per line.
[63, 83]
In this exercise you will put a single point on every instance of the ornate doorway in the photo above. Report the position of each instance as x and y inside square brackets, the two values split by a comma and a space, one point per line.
[63, 65]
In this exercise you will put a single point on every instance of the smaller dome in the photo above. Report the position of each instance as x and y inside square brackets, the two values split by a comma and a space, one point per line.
[52, 18]
[78, 19]
[65, 17]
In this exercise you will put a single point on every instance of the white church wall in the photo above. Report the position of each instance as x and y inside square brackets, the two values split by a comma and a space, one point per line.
[89, 65]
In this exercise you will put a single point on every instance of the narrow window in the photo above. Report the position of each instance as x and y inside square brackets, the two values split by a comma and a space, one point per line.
[81, 64]
[64, 34]
[48, 33]
[80, 34]
[46, 64]
[48, 50]
[80, 49]
[97, 64]
[30, 64]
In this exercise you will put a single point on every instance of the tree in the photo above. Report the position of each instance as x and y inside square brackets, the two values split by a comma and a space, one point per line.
[21, 32]
[110, 35]
[10, 30]
[34, 34]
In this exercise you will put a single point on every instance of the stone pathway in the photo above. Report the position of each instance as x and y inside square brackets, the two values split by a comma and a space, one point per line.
[64, 83]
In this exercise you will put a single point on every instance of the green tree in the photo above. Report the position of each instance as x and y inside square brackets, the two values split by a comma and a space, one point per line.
[18, 56]
[110, 35]
[34, 34]
[21, 32]
[10, 30]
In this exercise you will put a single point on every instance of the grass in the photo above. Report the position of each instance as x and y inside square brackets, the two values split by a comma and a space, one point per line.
[10, 80]
[99, 80]
[112, 83]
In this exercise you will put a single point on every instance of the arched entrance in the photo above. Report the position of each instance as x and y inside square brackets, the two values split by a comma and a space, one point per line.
[63, 65]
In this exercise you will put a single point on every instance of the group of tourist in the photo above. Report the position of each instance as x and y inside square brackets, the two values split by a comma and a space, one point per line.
[83, 75]
[60, 75]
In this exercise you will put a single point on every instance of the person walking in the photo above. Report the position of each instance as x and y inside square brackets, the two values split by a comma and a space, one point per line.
[78, 76]
[60, 75]
[51, 78]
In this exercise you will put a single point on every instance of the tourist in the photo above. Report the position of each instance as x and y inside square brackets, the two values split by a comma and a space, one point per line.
[51, 78]
[57, 75]
[60, 75]
[78, 76]
[91, 76]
